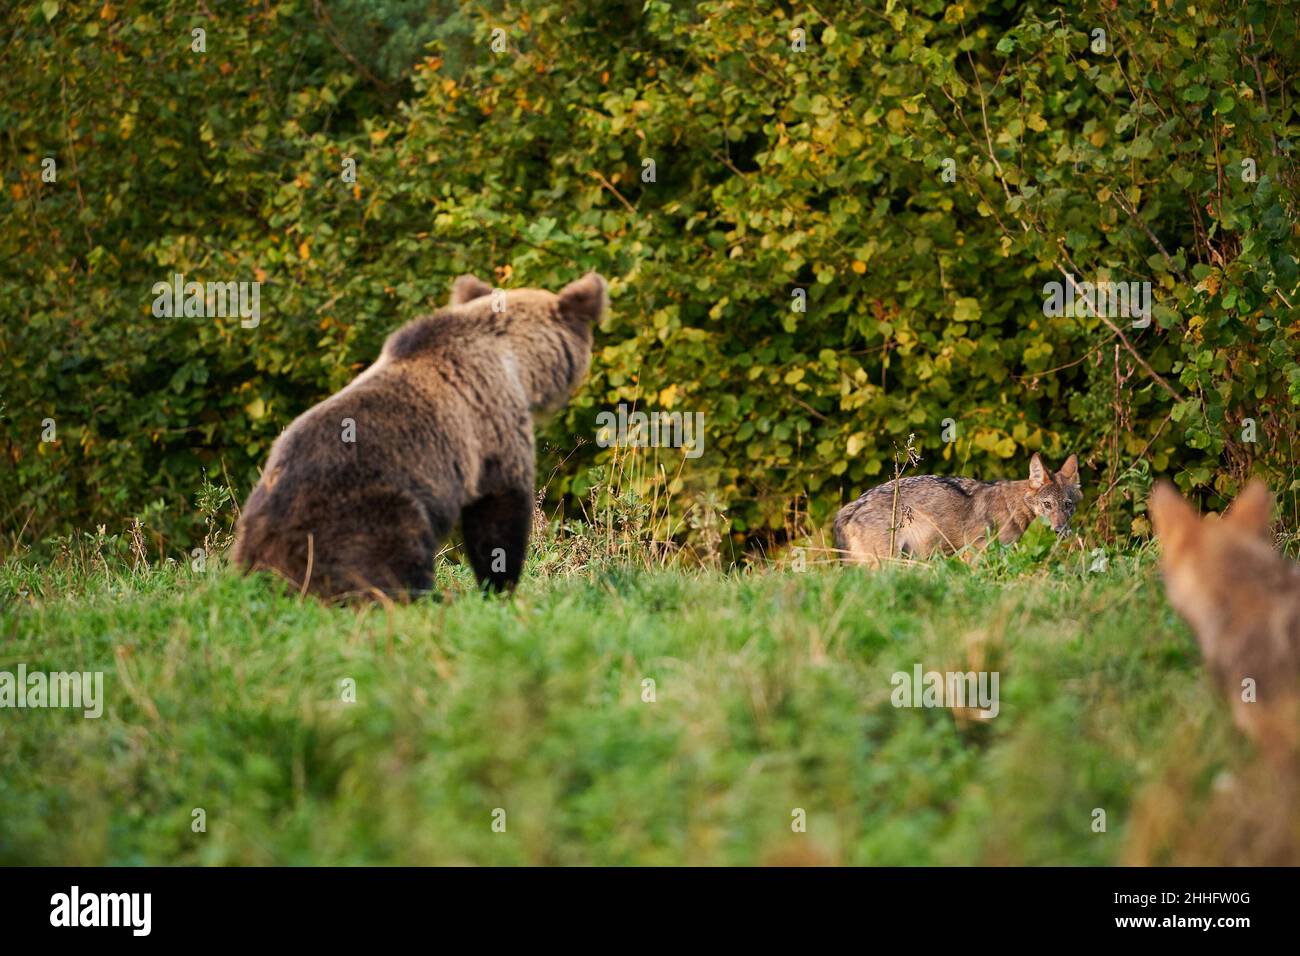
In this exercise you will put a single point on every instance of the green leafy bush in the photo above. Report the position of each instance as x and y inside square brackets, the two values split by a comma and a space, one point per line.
[1164, 154]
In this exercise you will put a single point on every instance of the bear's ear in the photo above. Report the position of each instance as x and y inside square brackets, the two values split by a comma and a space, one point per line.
[585, 298]
[468, 287]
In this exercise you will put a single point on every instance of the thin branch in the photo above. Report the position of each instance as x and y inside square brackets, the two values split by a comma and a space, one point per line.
[1137, 356]
[1117, 195]
[323, 18]
[610, 186]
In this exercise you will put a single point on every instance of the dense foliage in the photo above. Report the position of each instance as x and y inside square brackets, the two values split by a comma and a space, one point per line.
[797, 152]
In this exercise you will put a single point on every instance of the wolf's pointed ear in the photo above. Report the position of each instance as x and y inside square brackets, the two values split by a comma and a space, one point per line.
[1251, 509]
[467, 288]
[1069, 473]
[1171, 516]
[1037, 473]
[585, 298]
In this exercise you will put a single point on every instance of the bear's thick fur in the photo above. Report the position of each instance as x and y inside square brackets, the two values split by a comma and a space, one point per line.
[441, 429]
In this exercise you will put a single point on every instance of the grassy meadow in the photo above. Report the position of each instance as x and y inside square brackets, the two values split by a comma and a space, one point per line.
[845, 241]
[771, 693]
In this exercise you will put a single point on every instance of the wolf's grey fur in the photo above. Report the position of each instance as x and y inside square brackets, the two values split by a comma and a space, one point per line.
[935, 513]
[443, 431]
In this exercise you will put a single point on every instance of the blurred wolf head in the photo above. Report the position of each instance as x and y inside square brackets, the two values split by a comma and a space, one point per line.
[1242, 600]
[1217, 567]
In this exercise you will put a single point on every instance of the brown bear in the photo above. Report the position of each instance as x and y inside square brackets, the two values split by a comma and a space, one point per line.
[360, 490]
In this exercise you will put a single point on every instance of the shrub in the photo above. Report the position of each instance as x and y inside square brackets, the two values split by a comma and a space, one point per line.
[916, 176]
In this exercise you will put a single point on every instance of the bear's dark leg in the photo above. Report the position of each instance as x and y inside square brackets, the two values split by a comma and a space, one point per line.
[496, 531]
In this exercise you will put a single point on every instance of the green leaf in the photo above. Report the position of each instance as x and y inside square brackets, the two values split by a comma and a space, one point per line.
[967, 310]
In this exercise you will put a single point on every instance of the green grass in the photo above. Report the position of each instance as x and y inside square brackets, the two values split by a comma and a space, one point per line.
[773, 693]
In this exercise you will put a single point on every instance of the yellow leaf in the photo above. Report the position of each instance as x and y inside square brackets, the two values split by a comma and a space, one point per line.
[304, 251]
[256, 408]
